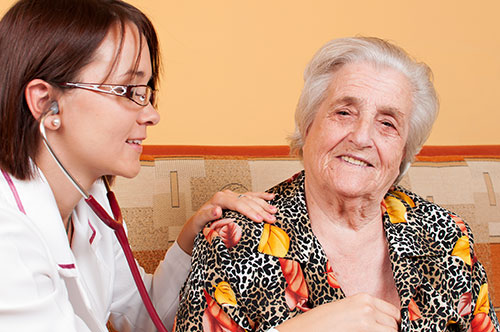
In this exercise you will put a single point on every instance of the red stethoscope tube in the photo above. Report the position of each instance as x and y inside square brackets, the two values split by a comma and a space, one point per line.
[117, 226]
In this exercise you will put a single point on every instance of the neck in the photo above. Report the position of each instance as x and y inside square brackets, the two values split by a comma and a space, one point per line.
[352, 213]
[66, 195]
[345, 225]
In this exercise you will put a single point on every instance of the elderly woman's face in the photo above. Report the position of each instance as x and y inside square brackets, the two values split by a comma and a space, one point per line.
[356, 142]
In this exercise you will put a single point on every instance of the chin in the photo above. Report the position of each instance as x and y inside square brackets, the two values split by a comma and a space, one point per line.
[130, 172]
[353, 193]
[354, 190]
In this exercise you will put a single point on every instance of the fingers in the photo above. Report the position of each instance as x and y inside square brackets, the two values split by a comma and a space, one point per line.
[255, 201]
[357, 313]
[389, 311]
[250, 204]
[386, 321]
[261, 195]
[384, 315]
[252, 209]
[206, 214]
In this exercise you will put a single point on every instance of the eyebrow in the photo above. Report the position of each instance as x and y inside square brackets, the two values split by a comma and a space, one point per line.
[347, 100]
[134, 73]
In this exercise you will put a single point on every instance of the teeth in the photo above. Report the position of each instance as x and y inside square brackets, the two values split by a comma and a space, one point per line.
[354, 161]
[134, 141]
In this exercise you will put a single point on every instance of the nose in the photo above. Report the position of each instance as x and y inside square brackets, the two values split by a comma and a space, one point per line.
[148, 116]
[362, 133]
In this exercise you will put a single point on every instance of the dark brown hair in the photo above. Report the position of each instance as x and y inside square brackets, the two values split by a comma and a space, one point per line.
[53, 40]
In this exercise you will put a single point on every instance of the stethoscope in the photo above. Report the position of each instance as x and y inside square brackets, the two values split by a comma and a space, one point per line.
[115, 223]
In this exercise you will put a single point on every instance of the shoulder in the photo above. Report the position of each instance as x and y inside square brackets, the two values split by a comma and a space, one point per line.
[27, 264]
[435, 224]
[287, 194]
[288, 200]
[15, 226]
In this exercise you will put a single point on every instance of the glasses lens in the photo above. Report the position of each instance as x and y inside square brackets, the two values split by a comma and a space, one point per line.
[142, 95]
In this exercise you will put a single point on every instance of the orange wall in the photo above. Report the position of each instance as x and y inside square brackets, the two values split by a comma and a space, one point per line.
[233, 69]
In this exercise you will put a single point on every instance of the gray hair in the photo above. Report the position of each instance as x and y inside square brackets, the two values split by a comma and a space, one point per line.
[336, 53]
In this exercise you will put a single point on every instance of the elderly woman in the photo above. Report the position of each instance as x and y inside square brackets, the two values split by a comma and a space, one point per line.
[350, 250]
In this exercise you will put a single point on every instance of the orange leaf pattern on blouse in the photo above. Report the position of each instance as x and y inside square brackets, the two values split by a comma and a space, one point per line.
[414, 311]
[404, 197]
[464, 304]
[227, 229]
[224, 295]
[462, 250]
[395, 209]
[274, 241]
[460, 223]
[216, 320]
[296, 293]
[209, 234]
[482, 303]
[332, 280]
[482, 323]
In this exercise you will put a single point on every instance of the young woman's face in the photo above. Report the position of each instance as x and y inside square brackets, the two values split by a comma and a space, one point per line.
[102, 134]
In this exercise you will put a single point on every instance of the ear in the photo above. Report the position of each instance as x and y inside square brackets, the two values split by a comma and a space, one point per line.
[38, 94]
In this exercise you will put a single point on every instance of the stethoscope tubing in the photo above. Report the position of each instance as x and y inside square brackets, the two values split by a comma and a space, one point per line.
[114, 224]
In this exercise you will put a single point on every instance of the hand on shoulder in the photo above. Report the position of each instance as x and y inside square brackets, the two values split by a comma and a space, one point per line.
[251, 204]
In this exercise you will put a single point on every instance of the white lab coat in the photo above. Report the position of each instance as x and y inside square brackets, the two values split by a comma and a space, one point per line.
[47, 286]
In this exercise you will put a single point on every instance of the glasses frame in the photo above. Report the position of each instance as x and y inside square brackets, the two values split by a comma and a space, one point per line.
[116, 90]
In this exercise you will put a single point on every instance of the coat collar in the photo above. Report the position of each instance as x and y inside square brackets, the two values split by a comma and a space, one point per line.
[408, 239]
[411, 238]
[36, 199]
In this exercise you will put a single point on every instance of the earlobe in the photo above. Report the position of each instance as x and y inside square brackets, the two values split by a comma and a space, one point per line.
[38, 94]
[56, 123]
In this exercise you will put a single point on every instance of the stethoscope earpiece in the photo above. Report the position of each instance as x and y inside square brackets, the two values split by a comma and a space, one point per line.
[54, 108]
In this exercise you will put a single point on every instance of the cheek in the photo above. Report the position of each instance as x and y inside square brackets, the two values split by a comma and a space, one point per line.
[393, 155]
[113, 128]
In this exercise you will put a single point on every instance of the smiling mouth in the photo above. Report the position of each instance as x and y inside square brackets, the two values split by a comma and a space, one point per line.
[354, 161]
[134, 141]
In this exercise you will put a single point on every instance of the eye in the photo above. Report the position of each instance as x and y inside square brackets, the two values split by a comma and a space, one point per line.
[388, 124]
[343, 112]
[140, 94]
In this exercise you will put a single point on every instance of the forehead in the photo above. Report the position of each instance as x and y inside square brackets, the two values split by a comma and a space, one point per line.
[121, 56]
[366, 84]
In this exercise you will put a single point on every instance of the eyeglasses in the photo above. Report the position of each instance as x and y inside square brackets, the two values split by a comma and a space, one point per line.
[140, 94]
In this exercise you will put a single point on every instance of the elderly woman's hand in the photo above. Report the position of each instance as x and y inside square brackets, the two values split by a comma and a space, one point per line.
[357, 313]
[251, 204]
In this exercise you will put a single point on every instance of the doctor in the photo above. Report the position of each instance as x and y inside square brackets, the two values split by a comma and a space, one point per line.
[94, 65]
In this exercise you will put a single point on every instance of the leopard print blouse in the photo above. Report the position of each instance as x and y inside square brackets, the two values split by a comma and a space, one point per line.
[251, 277]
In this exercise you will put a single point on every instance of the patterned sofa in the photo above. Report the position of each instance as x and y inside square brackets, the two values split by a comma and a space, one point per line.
[175, 181]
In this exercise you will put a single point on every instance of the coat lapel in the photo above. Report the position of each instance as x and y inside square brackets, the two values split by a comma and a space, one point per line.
[411, 249]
